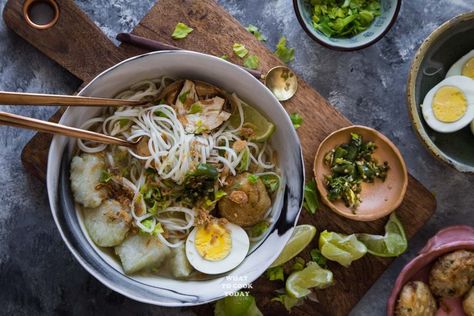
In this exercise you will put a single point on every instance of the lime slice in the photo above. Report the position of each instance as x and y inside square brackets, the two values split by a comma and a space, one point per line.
[392, 244]
[237, 305]
[341, 248]
[262, 128]
[313, 276]
[302, 236]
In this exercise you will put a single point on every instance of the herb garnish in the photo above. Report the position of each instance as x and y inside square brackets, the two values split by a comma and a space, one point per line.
[296, 119]
[351, 164]
[240, 50]
[255, 31]
[284, 53]
[181, 31]
[252, 62]
[337, 18]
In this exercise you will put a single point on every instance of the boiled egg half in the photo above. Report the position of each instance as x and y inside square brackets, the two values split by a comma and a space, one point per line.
[217, 248]
[449, 106]
[463, 67]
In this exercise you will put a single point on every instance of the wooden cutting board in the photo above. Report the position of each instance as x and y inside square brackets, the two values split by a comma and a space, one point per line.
[79, 46]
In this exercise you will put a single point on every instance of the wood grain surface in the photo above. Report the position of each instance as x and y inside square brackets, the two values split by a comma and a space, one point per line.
[80, 47]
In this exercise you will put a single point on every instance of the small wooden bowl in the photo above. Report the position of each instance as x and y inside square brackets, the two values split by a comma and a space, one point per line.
[378, 198]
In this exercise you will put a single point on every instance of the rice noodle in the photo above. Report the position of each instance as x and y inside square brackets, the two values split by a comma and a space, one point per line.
[173, 153]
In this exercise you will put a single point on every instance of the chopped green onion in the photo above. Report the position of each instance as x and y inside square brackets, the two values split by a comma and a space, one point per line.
[255, 31]
[245, 161]
[123, 122]
[296, 119]
[275, 273]
[271, 181]
[105, 176]
[252, 178]
[183, 96]
[259, 229]
[299, 264]
[335, 18]
[318, 257]
[195, 108]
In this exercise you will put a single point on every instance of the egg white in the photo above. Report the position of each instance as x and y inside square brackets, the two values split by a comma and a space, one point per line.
[456, 68]
[238, 252]
[466, 85]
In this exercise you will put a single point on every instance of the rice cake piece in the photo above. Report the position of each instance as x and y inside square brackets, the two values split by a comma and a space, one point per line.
[107, 224]
[138, 252]
[86, 170]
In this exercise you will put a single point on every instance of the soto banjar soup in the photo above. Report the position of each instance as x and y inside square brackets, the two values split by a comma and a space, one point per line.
[196, 191]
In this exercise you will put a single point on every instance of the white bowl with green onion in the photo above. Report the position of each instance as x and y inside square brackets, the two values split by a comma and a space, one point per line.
[346, 24]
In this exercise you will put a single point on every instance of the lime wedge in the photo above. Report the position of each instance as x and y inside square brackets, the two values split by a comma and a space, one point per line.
[392, 244]
[262, 128]
[302, 236]
[313, 276]
[237, 305]
[341, 248]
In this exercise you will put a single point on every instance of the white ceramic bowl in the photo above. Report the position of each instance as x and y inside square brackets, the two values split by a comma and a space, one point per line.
[160, 290]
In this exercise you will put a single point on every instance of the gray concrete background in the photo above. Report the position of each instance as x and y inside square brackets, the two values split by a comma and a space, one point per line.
[38, 275]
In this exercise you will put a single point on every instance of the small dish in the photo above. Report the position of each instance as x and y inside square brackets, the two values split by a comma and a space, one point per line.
[439, 51]
[445, 241]
[380, 26]
[379, 198]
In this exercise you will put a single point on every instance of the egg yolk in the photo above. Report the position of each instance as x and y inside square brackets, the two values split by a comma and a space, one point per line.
[449, 104]
[213, 242]
[468, 68]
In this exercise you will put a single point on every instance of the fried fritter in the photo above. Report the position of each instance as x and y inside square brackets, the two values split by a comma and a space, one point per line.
[468, 303]
[452, 275]
[416, 300]
[246, 202]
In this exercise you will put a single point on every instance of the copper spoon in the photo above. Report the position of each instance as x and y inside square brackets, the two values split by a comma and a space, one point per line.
[55, 128]
[16, 98]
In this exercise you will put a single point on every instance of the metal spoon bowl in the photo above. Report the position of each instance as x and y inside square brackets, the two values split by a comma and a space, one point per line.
[282, 82]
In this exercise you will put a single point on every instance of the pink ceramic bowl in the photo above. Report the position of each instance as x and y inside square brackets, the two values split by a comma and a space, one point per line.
[445, 241]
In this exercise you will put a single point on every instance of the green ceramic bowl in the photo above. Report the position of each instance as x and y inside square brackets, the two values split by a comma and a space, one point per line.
[437, 53]
[378, 28]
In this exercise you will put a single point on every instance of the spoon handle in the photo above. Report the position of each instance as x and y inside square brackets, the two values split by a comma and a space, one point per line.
[150, 44]
[54, 128]
[17, 98]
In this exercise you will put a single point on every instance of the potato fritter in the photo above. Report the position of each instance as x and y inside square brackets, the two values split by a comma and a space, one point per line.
[468, 303]
[246, 202]
[416, 300]
[452, 275]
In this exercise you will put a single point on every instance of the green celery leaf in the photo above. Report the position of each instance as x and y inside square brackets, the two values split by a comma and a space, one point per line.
[181, 31]
[252, 62]
[255, 31]
[283, 52]
[240, 50]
